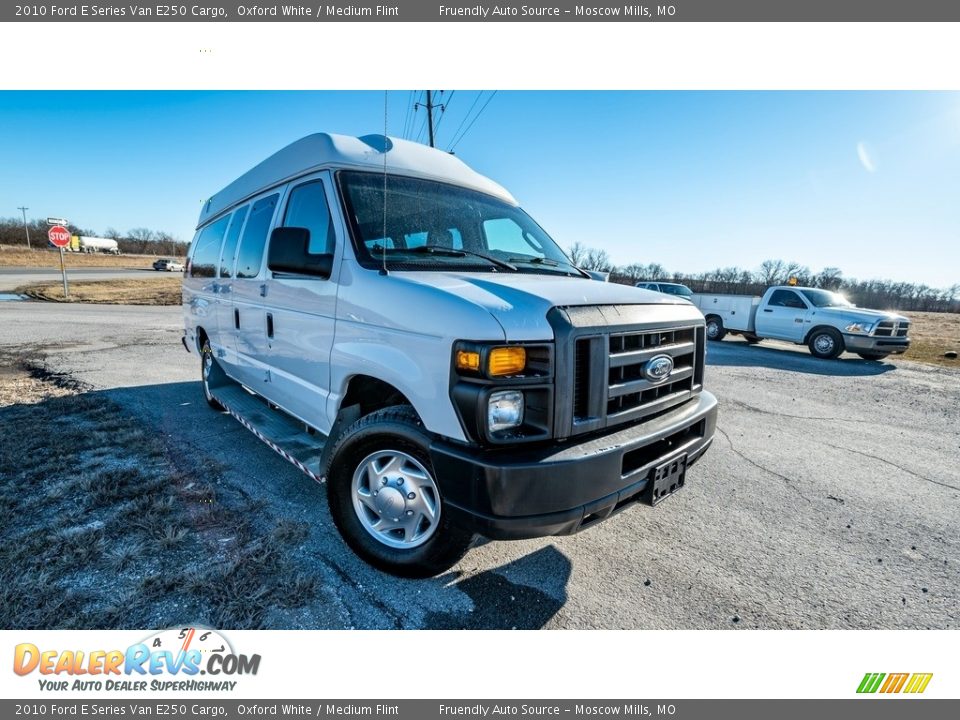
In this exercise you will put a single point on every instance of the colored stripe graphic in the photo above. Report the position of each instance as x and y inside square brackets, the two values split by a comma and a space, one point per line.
[918, 683]
[870, 682]
[894, 682]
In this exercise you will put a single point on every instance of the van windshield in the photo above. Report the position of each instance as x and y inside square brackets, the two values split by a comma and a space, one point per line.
[430, 225]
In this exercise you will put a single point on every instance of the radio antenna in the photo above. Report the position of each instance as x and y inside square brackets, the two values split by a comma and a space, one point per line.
[383, 248]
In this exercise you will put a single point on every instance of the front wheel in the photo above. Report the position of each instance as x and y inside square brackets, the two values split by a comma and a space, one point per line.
[825, 343]
[384, 497]
[715, 329]
[873, 356]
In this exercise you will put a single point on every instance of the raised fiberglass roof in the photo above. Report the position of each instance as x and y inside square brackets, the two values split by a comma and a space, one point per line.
[326, 150]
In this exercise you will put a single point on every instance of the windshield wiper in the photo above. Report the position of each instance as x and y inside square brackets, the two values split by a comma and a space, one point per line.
[548, 262]
[450, 252]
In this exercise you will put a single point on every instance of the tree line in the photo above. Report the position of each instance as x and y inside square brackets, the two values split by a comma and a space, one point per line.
[136, 241]
[882, 294]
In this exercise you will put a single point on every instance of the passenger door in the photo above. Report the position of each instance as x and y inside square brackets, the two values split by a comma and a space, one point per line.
[783, 317]
[248, 292]
[300, 320]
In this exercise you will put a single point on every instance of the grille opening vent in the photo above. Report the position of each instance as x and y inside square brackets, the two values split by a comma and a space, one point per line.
[581, 380]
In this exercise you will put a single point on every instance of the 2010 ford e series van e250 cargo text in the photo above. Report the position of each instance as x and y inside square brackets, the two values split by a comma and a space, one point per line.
[392, 322]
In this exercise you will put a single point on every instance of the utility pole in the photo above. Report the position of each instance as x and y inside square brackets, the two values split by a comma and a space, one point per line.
[25, 226]
[430, 106]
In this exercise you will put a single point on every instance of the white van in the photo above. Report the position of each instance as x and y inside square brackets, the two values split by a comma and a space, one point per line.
[393, 323]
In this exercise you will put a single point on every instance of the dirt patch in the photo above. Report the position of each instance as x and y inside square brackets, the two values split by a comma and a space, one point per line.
[17, 256]
[932, 334]
[153, 291]
[103, 525]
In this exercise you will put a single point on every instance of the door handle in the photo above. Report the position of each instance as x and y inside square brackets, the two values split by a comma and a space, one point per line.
[236, 318]
[767, 310]
[270, 325]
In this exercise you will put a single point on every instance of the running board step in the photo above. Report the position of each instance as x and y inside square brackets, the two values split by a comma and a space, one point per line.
[284, 434]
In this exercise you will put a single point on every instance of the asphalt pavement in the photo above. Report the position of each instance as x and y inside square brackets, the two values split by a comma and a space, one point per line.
[14, 277]
[830, 497]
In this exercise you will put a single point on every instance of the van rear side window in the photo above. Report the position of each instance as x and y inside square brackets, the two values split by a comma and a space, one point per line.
[207, 249]
[230, 244]
[250, 257]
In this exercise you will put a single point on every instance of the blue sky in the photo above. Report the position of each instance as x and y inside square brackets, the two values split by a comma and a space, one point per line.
[865, 181]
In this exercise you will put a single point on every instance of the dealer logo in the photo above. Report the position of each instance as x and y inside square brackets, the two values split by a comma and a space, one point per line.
[910, 683]
[180, 654]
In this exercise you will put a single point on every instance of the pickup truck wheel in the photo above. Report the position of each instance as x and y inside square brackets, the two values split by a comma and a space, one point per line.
[873, 356]
[826, 343]
[384, 499]
[715, 329]
[208, 369]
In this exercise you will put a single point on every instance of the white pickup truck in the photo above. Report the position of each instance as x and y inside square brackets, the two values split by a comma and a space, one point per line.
[822, 320]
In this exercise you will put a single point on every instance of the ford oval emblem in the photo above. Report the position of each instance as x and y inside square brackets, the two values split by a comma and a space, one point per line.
[658, 368]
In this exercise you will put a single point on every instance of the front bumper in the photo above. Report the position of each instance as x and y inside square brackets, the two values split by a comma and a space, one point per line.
[566, 487]
[876, 344]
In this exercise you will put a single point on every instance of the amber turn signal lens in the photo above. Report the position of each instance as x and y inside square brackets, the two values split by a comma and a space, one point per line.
[467, 360]
[506, 361]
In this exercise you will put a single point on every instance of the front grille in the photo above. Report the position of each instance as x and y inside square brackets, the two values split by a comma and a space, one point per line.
[889, 328]
[610, 387]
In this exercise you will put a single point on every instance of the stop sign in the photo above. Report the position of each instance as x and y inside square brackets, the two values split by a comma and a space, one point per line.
[59, 236]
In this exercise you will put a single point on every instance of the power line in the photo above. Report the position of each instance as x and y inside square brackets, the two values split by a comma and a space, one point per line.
[479, 113]
[446, 106]
[475, 101]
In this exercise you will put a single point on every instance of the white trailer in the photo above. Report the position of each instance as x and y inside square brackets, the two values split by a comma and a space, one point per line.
[87, 244]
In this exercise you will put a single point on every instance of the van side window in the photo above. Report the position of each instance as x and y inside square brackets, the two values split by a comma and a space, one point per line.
[308, 208]
[250, 256]
[206, 250]
[230, 244]
[787, 298]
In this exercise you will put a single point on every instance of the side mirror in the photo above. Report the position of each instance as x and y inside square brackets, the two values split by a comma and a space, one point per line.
[288, 254]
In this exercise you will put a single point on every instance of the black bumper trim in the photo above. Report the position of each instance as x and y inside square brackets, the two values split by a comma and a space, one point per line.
[566, 487]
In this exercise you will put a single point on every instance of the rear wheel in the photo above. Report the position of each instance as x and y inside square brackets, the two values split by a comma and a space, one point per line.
[873, 356]
[715, 329]
[384, 497]
[825, 343]
[208, 370]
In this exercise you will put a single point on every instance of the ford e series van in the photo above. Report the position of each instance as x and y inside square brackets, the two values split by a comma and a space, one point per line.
[394, 324]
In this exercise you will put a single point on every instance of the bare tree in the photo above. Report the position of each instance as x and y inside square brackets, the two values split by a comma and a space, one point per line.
[577, 253]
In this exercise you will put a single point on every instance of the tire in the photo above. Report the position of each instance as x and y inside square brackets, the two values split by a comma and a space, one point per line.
[387, 452]
[873, 356]
[825, 343]
[715, 329]
[208, 369]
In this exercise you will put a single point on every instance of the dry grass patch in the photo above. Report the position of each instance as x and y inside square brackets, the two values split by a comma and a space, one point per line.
[17, 256]
[148, 291]
[102, 525]
[932, 334]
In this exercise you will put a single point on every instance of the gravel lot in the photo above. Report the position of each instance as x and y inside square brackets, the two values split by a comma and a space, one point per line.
[830, 498]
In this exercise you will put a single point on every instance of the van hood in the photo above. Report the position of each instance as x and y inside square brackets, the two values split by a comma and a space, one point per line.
[520, 302]
[860, 314]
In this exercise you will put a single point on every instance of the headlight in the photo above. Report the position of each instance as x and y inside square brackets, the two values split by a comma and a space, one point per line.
[504, 410]
[859, 327]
